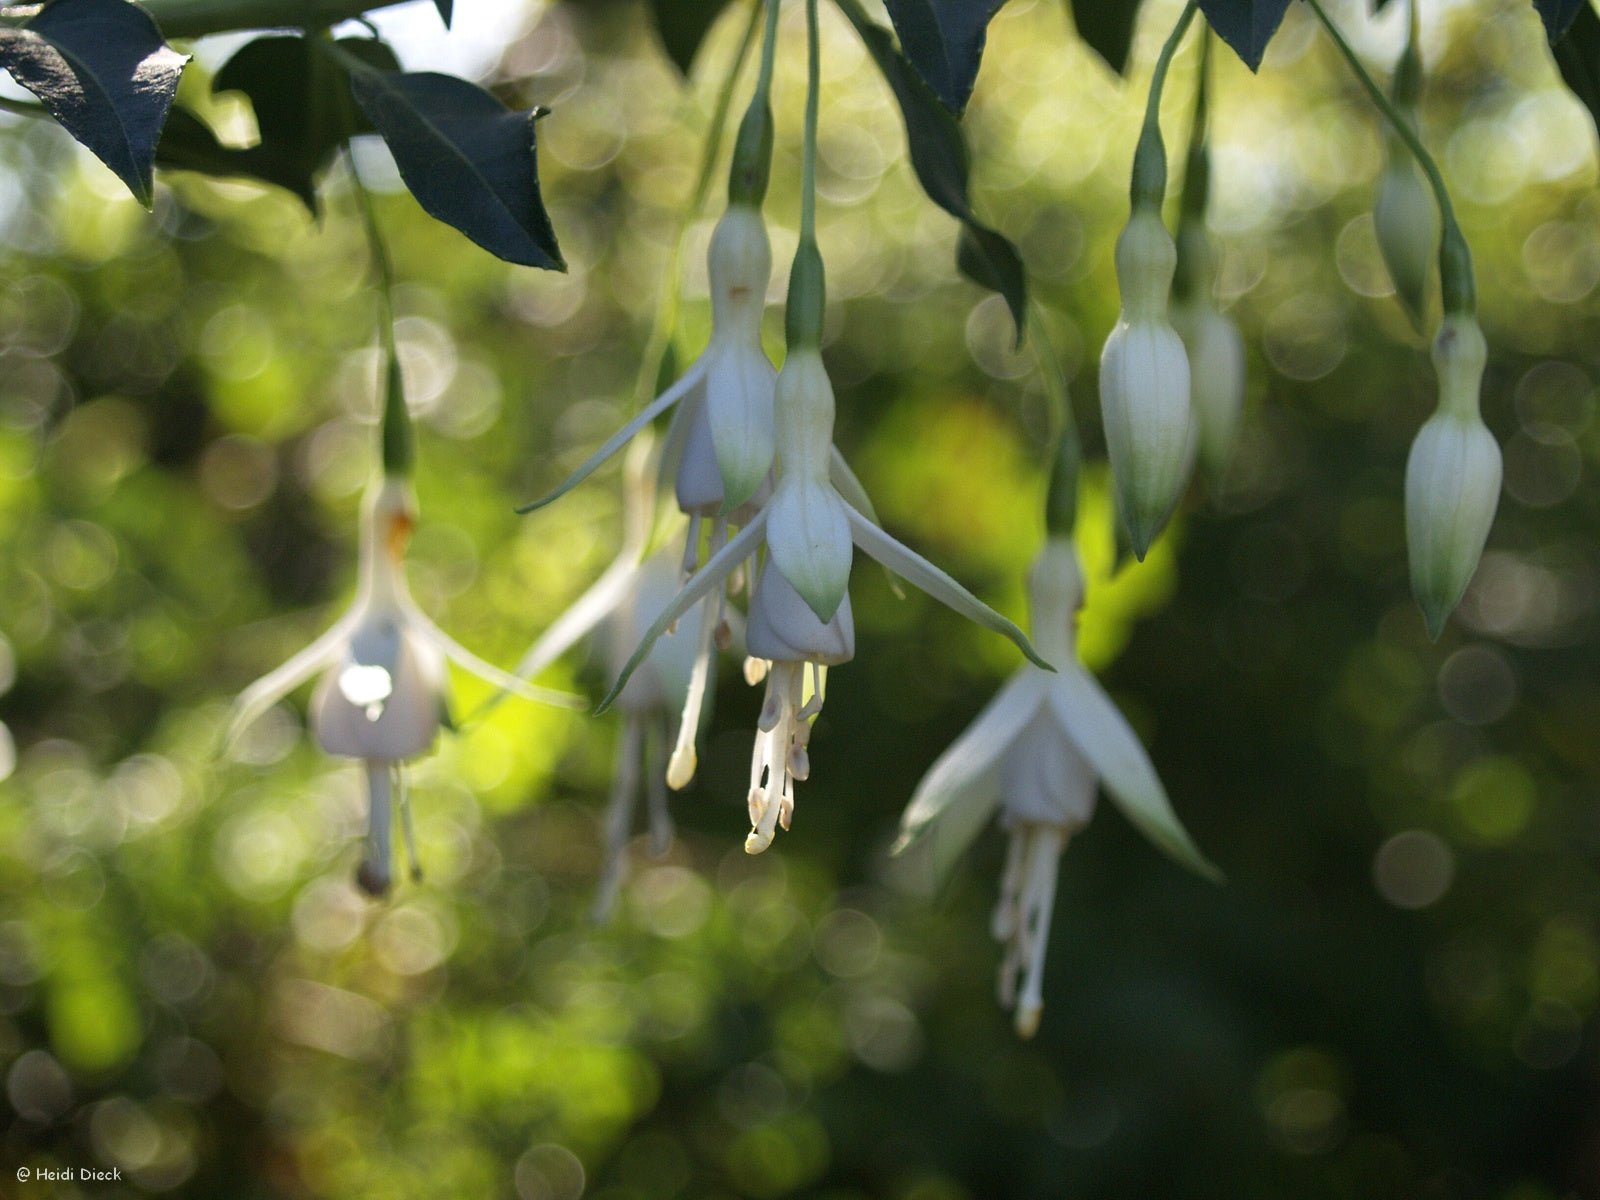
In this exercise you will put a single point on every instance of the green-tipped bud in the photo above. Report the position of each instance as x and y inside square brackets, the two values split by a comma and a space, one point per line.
[399, 443]
[1144, 385]
[807, 300]
[1061, 499]
[1452, 477]
[1406, 221]
[752, 156]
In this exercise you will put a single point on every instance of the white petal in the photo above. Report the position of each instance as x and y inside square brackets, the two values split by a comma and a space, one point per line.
[1104, 737]
[700, 583]
[921, 573]
[739, 390]
[962, 788]
[275, 685]
[580, 618]
[616, 441]
[784, 629]
[809, 536]
[486, 671]
[406, 721]
[852, 493]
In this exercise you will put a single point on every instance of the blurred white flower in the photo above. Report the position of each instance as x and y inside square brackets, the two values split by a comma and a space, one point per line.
[1144, 384]
[1035, 753]
[1215, 349]
[1453, 476]
[383, 693]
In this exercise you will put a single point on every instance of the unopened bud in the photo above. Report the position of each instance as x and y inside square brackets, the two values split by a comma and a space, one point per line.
[1452, 477]
[1406, 221]
[1144, 384]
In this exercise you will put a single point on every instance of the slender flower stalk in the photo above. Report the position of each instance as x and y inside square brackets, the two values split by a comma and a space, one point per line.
[1144, 371]
[1036, 754]
[1404, 215]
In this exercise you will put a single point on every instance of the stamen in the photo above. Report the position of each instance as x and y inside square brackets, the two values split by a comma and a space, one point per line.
[780, 749]
[619, 817]
[691, 547]
[755, 670]
[1039, 901]
[1003, 925]
[406, 827]
[373, 876]
[656, 788]
[681, 767]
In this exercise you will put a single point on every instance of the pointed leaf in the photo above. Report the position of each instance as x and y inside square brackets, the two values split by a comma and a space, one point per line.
[302, 108]
[467, 159]
[1558, 16]
[1103, 736]
[944, 40]
[938, 153]
[1106, 26]
[187, 144]
[920, 573]
[100, 68]
[445, 8]
[683, 25]
[1246, 25]
[1578, 57]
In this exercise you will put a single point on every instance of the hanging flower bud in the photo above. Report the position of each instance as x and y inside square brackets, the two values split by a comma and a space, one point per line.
[1407, 224]
[1215, 349]
[1144, 384]
[1452, 476]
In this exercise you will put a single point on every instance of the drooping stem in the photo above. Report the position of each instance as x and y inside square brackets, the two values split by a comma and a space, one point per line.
[807, 298]
[808, 179]
[660, 339]
[396, 436]
[1455, 258]
[1061, 496]
[1149, 185]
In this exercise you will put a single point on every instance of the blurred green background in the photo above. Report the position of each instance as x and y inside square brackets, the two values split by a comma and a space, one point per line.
[1393, 996]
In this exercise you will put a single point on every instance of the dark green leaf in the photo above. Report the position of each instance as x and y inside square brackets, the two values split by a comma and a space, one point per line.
[302, 105]
[445, 8]
[1246, 25]
[101, 69]
[1107, 27]
[943, 39]
[683, 25]
[1558, 16]
[1578, 57]
[187, 144]
[939, 157]
[467, 159]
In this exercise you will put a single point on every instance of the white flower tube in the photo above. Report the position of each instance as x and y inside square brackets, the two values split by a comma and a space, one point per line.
[1452, 477]
[1144, 384]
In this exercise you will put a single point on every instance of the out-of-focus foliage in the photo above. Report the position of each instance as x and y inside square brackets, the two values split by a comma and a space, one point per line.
[1393, 996]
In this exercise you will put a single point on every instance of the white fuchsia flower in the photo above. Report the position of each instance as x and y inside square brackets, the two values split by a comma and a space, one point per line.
[1035, 754]
[1144, 384]
[383, 693]
[617, 609]
[799, 619]
[1453, 476]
